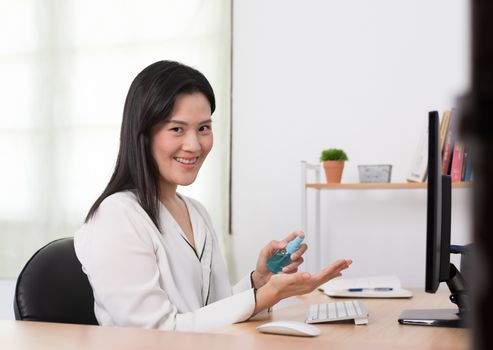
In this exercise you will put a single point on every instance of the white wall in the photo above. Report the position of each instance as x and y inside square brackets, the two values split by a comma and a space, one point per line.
[7, 289]
[355, 74]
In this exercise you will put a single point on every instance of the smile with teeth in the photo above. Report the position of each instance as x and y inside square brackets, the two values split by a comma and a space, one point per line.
[186, 161]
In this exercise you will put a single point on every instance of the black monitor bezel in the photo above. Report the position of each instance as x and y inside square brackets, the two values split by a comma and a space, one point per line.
[438, 211]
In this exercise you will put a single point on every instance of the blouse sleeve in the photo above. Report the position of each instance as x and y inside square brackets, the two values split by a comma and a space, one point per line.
[243, 284]
[119, 257]
[236, 308]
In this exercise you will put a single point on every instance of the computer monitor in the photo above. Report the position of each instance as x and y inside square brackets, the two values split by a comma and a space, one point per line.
[438, 248]
[438, 216]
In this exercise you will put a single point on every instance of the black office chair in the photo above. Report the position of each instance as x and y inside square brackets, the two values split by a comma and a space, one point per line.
[53, 288]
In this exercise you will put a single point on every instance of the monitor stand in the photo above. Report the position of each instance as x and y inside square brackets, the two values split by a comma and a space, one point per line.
[443, 317]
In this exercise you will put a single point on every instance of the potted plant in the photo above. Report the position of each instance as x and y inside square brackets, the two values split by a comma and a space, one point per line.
[333, 161]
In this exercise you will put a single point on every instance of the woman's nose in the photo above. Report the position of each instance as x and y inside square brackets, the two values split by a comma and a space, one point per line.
[191, 142]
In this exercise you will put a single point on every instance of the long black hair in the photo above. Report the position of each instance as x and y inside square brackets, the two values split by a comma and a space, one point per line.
[149, 101]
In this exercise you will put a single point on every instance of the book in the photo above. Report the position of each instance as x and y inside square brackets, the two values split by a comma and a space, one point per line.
[419, 166]
[465, 160]
[457, 161]
[366, 287]
[467, 173]
[443, 129]
[448, 147]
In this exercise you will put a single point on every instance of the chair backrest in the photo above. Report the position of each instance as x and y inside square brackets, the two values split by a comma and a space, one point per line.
[52, 287]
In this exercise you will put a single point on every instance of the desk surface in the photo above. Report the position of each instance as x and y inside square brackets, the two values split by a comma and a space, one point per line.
[382, 332]
[383, 328]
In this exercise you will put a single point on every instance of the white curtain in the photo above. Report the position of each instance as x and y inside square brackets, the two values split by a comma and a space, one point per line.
[65, 68]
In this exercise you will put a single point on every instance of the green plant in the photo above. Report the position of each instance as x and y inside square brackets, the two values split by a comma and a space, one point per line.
[333, 154]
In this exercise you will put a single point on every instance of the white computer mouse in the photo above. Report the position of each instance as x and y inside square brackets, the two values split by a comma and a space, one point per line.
[297, 328]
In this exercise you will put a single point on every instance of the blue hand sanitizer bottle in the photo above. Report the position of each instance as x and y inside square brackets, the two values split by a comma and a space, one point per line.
[283, 257]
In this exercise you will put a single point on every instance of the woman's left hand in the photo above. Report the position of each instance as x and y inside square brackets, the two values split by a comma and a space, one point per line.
[262, 274]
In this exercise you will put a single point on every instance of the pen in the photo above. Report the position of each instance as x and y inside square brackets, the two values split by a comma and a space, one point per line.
[377, 289]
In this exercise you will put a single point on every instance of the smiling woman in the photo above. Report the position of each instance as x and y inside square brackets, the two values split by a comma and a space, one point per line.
[151, 254]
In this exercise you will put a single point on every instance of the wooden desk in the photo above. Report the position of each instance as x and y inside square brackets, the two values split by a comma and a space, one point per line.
[382, 332]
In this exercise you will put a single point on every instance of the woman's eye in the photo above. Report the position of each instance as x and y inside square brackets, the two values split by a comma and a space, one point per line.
[205, 128]
[177, 129]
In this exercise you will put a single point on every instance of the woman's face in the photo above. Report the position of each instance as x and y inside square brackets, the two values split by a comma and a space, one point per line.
[181, 144]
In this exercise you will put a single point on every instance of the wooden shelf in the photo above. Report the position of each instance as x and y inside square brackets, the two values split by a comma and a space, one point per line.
[381, 186]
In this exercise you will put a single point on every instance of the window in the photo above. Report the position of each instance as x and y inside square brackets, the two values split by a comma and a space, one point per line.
[66, 66]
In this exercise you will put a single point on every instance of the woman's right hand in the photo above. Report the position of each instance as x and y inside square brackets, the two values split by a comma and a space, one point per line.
[262, 274]
[286, 285]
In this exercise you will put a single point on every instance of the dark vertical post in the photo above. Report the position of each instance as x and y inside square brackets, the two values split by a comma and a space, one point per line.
[477, 129]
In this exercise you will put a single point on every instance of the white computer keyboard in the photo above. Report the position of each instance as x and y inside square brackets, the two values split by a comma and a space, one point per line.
[337, 311]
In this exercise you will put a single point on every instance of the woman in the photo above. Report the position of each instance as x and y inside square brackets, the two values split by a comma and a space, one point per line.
[151, 254]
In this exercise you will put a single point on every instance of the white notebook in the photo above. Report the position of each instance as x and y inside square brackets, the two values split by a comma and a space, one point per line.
[366, 287]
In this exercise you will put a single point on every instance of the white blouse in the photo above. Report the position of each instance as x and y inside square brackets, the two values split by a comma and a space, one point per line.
[149, 278]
